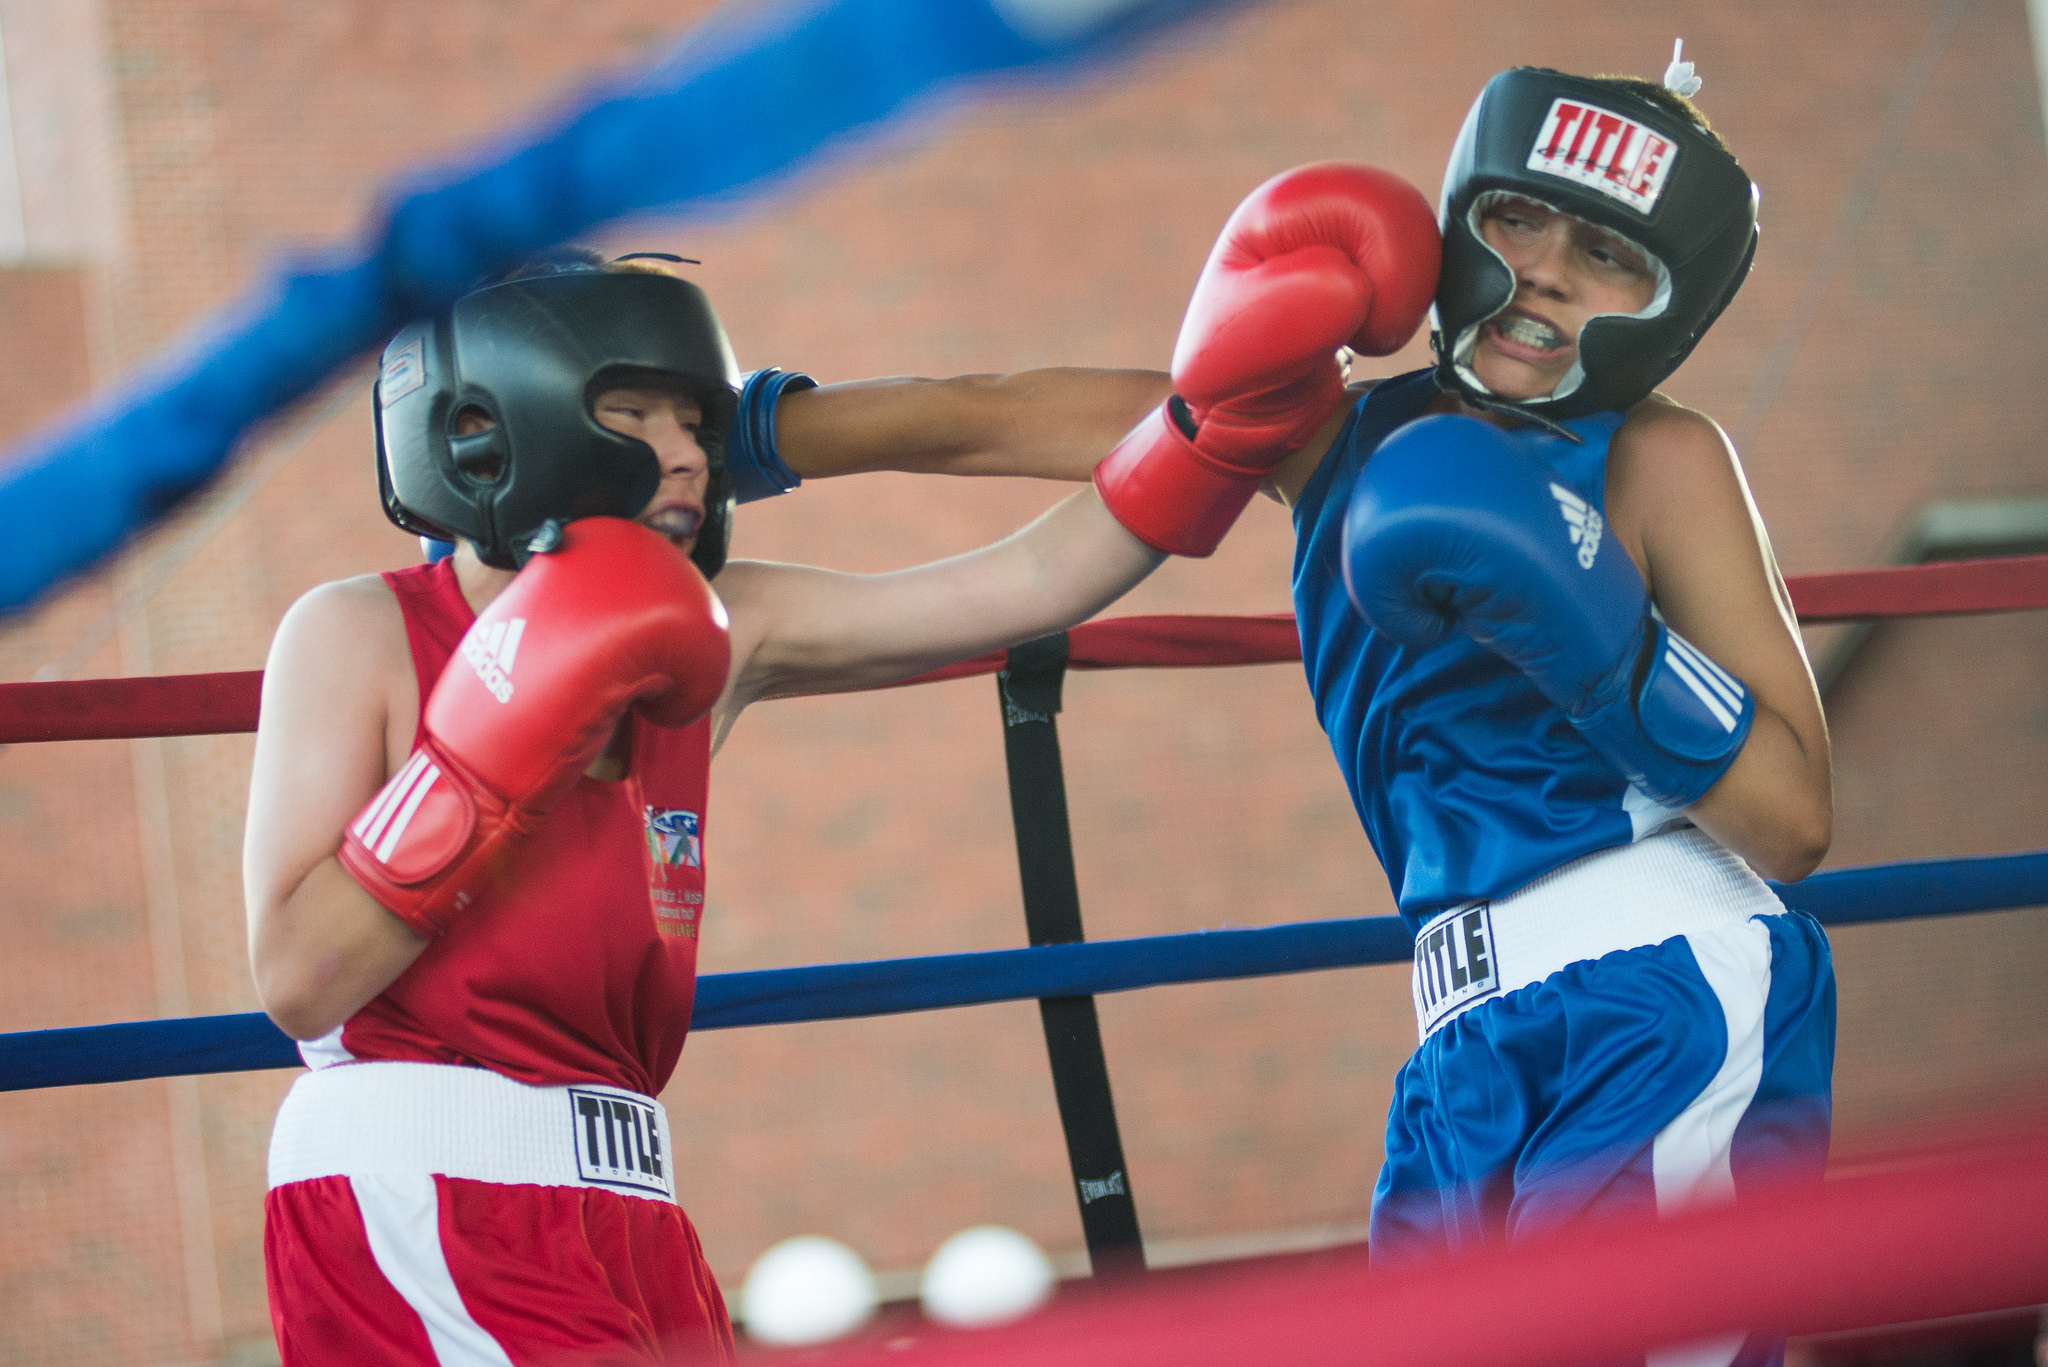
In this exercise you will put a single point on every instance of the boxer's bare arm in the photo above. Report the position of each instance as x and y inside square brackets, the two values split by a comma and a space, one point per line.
[797, 630]
[1048, 424]
[1677, 499]
[1041, 424]
[339, 706]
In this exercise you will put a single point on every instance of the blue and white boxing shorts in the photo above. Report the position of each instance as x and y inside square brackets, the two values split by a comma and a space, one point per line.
[1642, 1029]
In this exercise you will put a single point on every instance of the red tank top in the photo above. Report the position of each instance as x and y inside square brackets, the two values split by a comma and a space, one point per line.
[583, 966]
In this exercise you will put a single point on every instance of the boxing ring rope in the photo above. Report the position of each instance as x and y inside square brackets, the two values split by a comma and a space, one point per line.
[247, 1041]
[1961, 1233]
[220, 703]
[750, 96]
[1955, 1233]
[742, 102]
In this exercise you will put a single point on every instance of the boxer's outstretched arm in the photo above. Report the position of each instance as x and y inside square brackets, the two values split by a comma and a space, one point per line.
[1676, 491]
[1039, 424]
[798, 630]
[1048, 424]
[1326, 255]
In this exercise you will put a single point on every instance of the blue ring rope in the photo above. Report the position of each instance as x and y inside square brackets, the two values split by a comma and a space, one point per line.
[752, 95]
[246, 1042]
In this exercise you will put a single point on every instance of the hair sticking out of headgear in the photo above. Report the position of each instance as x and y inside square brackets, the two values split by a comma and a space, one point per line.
[1679, 78]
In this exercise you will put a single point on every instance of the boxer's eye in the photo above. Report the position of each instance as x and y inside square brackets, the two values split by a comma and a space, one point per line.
[1518, 218]
[470, 419]
[1615, 257]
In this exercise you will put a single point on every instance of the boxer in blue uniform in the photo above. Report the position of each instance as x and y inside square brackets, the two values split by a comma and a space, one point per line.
[1549, 644]
[1551, 649]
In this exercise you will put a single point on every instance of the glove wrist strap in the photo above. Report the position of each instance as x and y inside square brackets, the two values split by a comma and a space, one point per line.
[752, 455]
[416, 846]
[1683, 721]
[1167, 493]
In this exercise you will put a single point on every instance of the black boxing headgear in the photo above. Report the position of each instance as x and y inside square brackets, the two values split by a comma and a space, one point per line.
[532, 354]
[1623, 163]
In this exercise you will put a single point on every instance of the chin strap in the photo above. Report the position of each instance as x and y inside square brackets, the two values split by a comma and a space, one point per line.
[1449, 382]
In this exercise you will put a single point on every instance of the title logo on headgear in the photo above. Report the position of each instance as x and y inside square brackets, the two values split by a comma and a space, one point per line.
[1603, 151]
[404, 371]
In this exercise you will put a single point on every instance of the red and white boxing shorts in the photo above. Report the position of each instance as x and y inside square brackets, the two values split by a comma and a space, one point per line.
[426, 1214]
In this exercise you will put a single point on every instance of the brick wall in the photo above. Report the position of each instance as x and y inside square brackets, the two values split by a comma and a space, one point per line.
[188, 143]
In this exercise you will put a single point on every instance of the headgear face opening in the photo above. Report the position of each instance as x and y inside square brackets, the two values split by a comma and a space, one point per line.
[1622, 163]
[532, 355]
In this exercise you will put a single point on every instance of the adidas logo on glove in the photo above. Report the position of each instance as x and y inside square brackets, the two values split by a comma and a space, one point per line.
[492, 653]
[382, 824]
[1583, 519]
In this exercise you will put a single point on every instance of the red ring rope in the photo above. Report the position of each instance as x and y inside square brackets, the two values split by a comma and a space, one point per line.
[214, 704]
[1960, 1234]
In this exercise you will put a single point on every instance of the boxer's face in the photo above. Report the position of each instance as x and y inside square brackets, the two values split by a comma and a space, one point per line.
[1566, 271]
[668, 422]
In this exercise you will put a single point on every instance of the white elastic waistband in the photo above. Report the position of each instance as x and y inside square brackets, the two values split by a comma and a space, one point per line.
[408, 1119]
[1679, 883]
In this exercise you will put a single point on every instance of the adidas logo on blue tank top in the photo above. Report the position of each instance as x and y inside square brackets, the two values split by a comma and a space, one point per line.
[1584, 521]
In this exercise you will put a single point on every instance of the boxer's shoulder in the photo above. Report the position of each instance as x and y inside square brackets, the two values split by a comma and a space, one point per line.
[357, 616]
[1293, 475]
[760, 597]
[1661, 429]
[1667, 458]
[749, 588]
[342, 650]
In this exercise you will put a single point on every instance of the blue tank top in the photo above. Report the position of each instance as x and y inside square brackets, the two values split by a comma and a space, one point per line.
[1469, 781]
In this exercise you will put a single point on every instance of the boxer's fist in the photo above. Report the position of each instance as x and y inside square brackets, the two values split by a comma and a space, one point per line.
[1317, 258]
[1456, 525]
[615, 617]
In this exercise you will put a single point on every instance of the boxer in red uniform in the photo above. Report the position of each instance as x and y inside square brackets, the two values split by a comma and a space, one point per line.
[475, 854]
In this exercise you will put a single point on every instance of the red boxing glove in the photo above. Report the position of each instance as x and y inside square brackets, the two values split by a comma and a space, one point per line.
[615, 617]
[1328, 255]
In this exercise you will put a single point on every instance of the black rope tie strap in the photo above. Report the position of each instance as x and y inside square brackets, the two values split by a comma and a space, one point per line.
[1029, 691]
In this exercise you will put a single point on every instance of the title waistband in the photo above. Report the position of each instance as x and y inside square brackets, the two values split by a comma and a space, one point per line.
[1679, 883]
[408, 1119]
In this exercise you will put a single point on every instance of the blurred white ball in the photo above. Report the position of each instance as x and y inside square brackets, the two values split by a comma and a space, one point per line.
[808, 1289]
[985, 1275]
